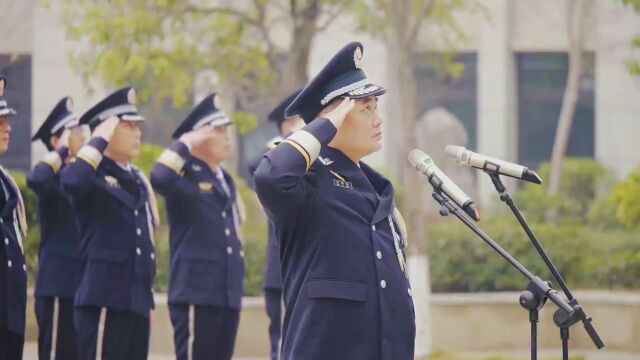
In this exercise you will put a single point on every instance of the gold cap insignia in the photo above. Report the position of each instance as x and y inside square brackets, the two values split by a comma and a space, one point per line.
[357, 58]
[69, 104]
[216, 101]
[131, 96]
[2, 83]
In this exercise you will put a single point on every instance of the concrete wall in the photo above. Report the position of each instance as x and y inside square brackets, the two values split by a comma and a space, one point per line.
[461, 323]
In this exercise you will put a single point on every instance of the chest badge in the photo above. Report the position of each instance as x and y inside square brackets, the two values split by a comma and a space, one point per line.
[111, 181]
[196, 167]
[342, 184]
[205, 186]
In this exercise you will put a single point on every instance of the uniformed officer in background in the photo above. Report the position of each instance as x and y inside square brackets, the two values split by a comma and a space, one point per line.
[346, 291]
[116, 214]
[207, 257]
[13, 271]
[272, 281]
[59, 263]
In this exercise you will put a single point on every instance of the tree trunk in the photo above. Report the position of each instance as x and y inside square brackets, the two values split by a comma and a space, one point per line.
[575, 21]
[418, 263]
[303, 32]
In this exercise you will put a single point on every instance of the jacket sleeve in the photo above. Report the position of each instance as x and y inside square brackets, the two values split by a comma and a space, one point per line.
[77, 176]
[42, 177]
[279, 179]
[167, 172]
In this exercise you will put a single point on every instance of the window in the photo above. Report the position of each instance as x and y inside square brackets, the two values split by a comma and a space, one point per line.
[458, 96]
[541, 82]
[17, 70]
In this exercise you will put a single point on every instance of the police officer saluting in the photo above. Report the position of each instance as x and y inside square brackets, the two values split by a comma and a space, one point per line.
[116, 215]
[59, 260]
[346, 292]
[13, 271]
[207, 260]
[272, 283]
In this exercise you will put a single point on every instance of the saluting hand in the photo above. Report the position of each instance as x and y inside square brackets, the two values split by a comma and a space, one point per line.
[337, 115]
[64, 139]
[195, 137]
[106, 128]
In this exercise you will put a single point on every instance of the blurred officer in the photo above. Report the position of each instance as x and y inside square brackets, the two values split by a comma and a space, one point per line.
[13, 271]
[59, 263]
[272, 282]
[207, 258]
[346, 292]
[116, 215]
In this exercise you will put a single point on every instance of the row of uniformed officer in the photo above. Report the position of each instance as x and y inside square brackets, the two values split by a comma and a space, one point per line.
[272, 282]
[59, 261]
[207, 256]
[346, 292]
[116, 216]
[13, 228]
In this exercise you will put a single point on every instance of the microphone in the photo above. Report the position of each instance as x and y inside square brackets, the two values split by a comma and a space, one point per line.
[425, 165]
[467, 157]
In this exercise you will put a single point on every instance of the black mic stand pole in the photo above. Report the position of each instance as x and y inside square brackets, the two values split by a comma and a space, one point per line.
[560, 319]
[538, 290]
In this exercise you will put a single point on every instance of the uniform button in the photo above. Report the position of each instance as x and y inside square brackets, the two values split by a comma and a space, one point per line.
[227, 232]
[9, 263]
[383, 284]
[24, 267]
[1, 221]
[138, 251]
[229, 250]
[224, 214]
[373, 227]
[153, 256]
[379, 255]
[138, 231]
[6, 241]
[135, 212]
[409, 291]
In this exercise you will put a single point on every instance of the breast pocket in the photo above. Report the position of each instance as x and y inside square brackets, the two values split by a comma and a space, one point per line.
[336, 289]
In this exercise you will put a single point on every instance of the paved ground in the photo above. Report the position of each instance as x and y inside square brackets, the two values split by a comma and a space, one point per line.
[31, 354]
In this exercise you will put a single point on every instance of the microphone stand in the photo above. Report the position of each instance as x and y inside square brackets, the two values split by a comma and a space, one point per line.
[562, 319]
[538, 290]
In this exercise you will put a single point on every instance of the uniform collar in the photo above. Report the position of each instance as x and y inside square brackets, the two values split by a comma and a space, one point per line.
[371, 184]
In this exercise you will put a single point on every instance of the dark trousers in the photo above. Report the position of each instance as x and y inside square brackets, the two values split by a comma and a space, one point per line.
[273, 303]
[65, 332]
[212, 329]
[11, 345]
[126, 335]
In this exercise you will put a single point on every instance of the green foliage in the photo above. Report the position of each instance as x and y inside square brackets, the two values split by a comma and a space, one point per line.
[32, 241]
[581, 181]
[581, 235]
[254, 234]
[244, 121]
[625, 199]
[634, 64]
[587, 258]
[149, 153]
[160, 46]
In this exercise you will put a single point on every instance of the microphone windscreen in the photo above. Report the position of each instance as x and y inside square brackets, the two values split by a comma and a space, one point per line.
[453, 152]
[417, 156]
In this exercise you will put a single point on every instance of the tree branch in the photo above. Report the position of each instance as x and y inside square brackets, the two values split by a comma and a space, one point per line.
[424, 12]
[330, 19]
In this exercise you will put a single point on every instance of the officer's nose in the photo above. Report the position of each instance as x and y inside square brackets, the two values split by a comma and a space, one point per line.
[377, 120]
